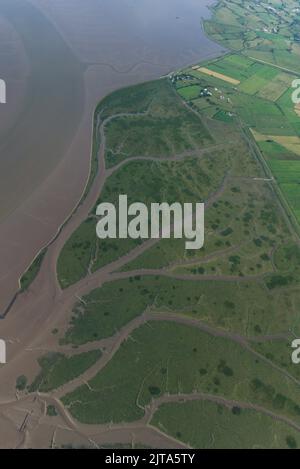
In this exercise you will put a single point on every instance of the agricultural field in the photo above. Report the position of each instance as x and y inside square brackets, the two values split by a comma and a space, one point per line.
[263, 31]
[262, 101]
[266, 37]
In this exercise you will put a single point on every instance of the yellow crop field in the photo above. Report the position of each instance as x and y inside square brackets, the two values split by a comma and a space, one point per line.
[275, 89]
[211, 73]
[290, 143]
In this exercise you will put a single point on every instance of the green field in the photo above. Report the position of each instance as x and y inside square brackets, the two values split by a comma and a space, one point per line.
[57, 369]
[108, 309]
[147, 181]
[169, 358]
[275, 41]
[189, 92]
[206, 425]
[263, 99]
[175, 128]
[257, 31]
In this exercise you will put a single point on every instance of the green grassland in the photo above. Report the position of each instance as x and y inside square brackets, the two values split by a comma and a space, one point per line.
[146, 181]
[273, 151]
[207, 425]
[279, 352]
[29, 276]
[175, 128]
[170, 358]
[57, 369]
[286, 171]
[245, 222]
[218, 303]
[189, 92]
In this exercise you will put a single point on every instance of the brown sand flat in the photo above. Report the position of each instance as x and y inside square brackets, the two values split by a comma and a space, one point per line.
[44, 121]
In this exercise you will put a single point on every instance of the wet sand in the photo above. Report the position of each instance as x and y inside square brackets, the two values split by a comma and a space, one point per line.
[51, 108]
[106, 45]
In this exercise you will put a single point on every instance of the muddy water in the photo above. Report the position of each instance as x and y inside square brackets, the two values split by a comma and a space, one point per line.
[59, 57]
[52, 102]
[124, 32]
